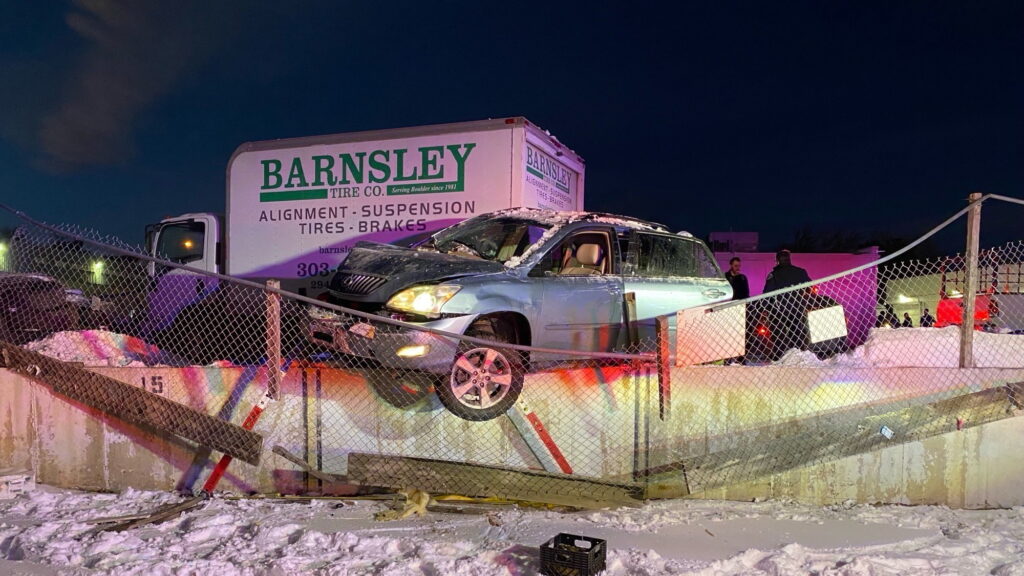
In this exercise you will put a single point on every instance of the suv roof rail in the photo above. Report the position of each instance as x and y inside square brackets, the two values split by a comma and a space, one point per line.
[596, 215]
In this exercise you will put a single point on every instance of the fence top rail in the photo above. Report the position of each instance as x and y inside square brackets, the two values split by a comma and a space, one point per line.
[872, 264]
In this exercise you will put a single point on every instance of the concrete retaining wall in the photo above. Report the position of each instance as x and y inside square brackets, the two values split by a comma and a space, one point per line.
[589, 412]
[605, 422]
[823, 424]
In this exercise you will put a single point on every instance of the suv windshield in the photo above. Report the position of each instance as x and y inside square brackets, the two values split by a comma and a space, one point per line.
[496, 239]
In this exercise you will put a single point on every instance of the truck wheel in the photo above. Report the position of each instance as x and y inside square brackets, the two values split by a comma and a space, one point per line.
[485, 381]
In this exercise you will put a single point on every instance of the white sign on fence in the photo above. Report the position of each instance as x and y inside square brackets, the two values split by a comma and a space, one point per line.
[705, 334]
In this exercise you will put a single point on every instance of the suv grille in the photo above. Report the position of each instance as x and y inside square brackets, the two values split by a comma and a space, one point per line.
[361, 284]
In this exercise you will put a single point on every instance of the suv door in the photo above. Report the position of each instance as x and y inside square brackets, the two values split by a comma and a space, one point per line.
[668, 273]
[581, 287]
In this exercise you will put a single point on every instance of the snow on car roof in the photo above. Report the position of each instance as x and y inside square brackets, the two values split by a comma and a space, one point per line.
[556, 220]
[561, 218]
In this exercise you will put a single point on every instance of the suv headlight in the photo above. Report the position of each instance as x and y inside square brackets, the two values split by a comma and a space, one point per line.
[423, 300]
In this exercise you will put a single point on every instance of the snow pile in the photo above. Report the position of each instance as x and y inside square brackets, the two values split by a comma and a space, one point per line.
[920, 347]
[50, 531]
[99, 348]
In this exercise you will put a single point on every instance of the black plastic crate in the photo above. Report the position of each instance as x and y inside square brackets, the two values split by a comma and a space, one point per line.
[572, 555]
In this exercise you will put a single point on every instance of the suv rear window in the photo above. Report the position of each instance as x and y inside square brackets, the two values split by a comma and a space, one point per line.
[659, 256]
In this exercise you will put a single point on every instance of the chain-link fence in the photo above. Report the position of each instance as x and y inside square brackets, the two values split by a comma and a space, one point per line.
[814, 371]
[356, 396]
[817, 370]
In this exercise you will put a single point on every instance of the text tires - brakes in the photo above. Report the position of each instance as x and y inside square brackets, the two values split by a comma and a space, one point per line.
[485, 381]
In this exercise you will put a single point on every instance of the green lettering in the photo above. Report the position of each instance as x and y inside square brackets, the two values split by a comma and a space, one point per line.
[324, 165]
[382, 166]
[461, 159]
[400, 167]
[430, 156]
[296, 174]
[349, 165]
[271, 171]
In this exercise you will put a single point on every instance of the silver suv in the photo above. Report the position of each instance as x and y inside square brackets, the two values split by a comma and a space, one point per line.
[553, 280]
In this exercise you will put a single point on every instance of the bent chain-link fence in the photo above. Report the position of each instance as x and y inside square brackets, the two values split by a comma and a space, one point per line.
[840, 366]
[478, 415]
[810, 373]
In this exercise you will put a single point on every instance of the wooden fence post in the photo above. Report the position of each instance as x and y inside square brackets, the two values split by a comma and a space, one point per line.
[273, 340]
[664, 370]
[970, 282]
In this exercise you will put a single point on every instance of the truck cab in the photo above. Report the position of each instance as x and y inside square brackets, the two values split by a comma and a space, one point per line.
[190, 239]
[193, 240]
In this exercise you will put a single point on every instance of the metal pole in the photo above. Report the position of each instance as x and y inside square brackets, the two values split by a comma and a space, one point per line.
[273, 339]
[970, 281]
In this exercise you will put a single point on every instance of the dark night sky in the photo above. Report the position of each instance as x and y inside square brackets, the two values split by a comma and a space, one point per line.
[707, 116]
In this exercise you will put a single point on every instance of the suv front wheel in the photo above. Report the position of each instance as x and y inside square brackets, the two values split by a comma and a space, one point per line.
[485, 381]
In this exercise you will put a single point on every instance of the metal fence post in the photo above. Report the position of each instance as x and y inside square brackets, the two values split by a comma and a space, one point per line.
[273, 340]
[970, 281]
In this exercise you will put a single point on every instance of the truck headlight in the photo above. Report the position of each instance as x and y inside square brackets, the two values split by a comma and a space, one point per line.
[423, 300]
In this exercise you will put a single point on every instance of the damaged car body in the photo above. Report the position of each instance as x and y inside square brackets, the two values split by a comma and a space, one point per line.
[525, 276]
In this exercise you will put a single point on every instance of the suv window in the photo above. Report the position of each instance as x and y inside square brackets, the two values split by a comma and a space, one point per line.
[707, 267]
[660, 256]
[581, 254]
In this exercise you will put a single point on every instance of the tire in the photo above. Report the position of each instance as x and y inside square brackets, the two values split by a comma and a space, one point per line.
[485, 381]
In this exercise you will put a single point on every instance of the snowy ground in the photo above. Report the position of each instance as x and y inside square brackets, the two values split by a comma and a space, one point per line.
[47, 531]
[920, 347]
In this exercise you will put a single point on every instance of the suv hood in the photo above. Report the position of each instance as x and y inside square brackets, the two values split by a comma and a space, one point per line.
[373, 272]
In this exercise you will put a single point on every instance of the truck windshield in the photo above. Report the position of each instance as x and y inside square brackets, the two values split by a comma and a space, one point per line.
[490, 239]
[181, 242]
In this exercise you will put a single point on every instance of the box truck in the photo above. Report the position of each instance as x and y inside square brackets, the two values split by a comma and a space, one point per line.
[295, 207]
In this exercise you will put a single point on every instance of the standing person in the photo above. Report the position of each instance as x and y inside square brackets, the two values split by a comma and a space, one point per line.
[881, 322]
[740, 291]
[927, 320]
[738, 280]
[891, 319]
[785, 274]
[907, 322]
[789, 324]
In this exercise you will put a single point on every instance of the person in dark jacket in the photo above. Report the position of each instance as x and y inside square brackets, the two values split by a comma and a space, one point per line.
[738, 280]
[789, 311]
[785, 274]
[740, 291]
[907, 322]
[890, 318]
[927, 320]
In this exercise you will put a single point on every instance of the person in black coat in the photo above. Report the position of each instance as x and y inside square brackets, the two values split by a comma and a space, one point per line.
[740, 291]
[788, 311]
[738, 280]
[927, 320]
[785, 274]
